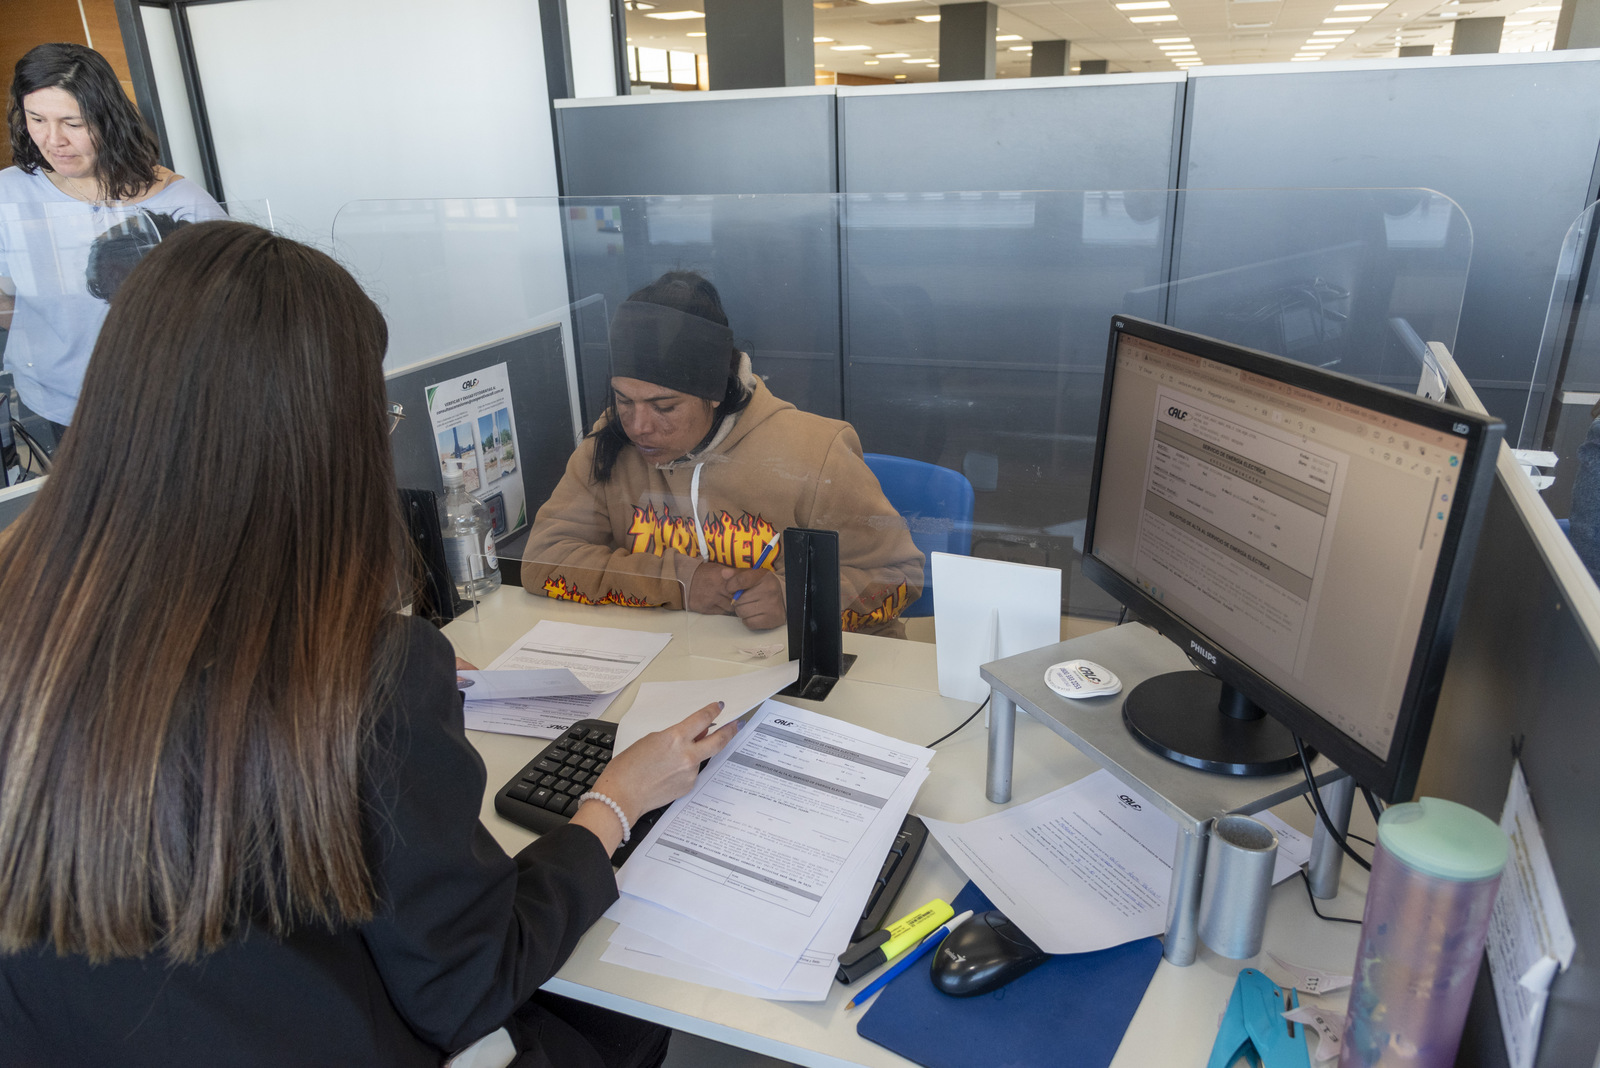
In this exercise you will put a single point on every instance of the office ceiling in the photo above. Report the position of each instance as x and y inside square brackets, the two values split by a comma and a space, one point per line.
[1219, 31]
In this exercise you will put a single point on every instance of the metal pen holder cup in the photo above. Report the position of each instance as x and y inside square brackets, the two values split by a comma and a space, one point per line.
[1240, 856]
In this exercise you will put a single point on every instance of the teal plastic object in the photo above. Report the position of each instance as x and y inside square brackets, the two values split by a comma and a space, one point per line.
[1443, 839]
[1253, 1026]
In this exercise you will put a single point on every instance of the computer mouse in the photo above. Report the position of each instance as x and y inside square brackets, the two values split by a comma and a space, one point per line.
[983, 954]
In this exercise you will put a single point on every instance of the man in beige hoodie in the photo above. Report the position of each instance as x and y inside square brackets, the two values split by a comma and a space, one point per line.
[674, 497]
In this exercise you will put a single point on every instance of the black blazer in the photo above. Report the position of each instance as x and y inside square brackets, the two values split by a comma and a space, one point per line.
[464, 934]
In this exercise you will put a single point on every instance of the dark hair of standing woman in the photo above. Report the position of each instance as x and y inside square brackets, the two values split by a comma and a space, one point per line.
[692, 293]
[127, 150]
[197, 613]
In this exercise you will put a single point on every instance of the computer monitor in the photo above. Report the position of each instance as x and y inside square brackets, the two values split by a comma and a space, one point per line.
[1304, 536]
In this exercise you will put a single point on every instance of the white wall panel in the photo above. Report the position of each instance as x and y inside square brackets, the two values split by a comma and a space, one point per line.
[315, 103]
[168, 75]
[590, 42]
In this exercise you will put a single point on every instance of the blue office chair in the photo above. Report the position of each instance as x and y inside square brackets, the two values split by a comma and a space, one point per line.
[937, 505]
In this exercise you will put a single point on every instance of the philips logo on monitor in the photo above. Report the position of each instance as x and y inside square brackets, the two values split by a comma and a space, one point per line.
[1177, 413]
[1205, 654]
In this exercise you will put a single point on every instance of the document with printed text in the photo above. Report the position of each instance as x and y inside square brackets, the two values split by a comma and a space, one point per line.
[767, 840]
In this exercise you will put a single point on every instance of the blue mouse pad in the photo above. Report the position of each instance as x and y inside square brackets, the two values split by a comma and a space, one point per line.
[1070, 1012]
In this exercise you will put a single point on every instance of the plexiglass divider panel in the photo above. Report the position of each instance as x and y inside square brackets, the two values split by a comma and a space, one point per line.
[1564, 421]
[962, 330]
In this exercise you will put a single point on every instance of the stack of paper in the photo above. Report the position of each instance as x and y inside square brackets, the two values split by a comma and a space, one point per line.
[754, 881]
[555, 675]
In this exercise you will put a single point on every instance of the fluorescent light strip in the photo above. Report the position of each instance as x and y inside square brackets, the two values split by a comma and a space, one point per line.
[1144, 5]
[670, 15]
[892, 55]
[1009, 37]
[851, 48]
[1153, 18]
[1348, 18]
[922, 18]
[1169, 40]
[1332, 33]
[822, 40]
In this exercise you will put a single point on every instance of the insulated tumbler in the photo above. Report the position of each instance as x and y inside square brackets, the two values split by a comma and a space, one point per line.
[1434, 876]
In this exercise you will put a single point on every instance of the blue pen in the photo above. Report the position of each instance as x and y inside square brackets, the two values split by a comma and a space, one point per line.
[771, 545]
[922, 950]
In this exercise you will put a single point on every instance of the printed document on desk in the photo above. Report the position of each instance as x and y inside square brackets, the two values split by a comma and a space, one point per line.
[1086, 867]
[764, 844]
[673, 938]
[604, 659]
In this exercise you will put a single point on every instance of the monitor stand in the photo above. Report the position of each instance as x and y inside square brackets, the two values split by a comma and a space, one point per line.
[1196, 720]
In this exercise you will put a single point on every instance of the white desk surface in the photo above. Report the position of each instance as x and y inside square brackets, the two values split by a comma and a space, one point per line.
[892, 688]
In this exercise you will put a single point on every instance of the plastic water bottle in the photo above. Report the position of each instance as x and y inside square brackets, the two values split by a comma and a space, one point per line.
[468, 538]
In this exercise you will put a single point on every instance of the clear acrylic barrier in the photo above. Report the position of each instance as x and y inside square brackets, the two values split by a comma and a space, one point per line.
[60, 265]
[962, 330]
[1562, 419]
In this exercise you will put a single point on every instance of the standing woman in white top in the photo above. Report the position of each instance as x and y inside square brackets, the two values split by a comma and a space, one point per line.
[87, 170]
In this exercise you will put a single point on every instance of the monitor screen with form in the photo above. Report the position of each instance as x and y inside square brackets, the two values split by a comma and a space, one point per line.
[1302, 534]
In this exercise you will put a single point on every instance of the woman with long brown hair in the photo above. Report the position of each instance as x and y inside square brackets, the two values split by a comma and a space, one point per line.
[238, 813]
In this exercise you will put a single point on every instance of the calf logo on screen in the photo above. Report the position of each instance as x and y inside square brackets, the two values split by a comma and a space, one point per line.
[1205, 654]
[1177, 413]
[1128, 802]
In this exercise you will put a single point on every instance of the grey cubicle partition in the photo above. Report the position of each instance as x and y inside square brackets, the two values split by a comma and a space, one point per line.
[1511, 139]
[674, 147]
[1118, 131]
[1524, 680]
[739, 141]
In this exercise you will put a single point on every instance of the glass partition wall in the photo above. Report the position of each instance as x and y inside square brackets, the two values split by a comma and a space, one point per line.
[1561, 426]
[963, 330]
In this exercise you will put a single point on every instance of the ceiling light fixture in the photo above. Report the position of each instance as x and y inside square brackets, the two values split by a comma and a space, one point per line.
[851, 48]
[1331, 33]
[916, 61]
[892, 55]
[670, 15]
[822, 40]
[1143, 5]
[1169, 40]
[869, 63]
[695, 33]
[1153, 18]
[1008, 37]
[1348, 18]
[1020, 48]
[927, 18]
[883, 1]
[1359, 7]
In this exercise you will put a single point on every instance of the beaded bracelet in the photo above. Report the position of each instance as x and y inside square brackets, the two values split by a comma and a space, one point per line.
[627, 828]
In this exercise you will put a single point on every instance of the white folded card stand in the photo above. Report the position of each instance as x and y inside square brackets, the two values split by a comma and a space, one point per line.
[988, 610]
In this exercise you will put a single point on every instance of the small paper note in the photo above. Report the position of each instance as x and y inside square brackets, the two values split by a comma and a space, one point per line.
[1327, 1026]
[1309, 980]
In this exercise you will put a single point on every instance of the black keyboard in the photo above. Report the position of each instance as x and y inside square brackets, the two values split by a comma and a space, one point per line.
[544, 794]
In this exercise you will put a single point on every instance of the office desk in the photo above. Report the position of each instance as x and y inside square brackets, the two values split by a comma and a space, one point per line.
[892, 688]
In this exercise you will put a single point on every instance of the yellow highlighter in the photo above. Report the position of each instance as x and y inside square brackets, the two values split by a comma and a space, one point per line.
[883, 946]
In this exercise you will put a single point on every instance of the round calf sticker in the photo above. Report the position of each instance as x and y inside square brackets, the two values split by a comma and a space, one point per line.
[1081, 678]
